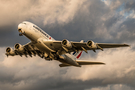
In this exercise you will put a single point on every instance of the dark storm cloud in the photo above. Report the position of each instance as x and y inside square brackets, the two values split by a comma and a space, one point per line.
[130, 5]
[127, 30]
[9, 35]
[89, 24]
[84, 24]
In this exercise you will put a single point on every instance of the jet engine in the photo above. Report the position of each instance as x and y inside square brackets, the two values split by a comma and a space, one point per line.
[19, 47]
[66, 43]
[91, 44]
[10, 51]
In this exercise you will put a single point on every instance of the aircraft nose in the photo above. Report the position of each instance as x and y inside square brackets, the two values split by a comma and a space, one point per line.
[20, 26]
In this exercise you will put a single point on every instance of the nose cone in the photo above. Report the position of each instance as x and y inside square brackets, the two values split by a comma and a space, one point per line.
[20, 28]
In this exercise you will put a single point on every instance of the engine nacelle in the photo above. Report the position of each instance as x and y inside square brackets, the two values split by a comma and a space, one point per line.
[66, 43]
[91, 44]
[19, 47]
[10, 51]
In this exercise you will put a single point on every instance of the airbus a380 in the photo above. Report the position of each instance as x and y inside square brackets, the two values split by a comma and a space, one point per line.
[43, 45]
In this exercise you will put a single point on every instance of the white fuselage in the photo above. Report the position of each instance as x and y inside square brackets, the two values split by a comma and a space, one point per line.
[33, 32]
[36, 35]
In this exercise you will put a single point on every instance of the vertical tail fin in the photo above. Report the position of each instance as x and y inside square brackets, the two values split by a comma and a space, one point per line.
[77, 54]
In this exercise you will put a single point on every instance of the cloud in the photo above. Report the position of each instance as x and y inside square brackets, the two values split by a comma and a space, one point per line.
[97, 20]
[49, 11]
[24, 73]
[113, 87]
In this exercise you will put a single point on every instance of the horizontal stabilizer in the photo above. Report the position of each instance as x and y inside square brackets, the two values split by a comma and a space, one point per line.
[83, 62]
[64, 65]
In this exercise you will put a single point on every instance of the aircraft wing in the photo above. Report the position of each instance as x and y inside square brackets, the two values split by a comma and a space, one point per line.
[59, 47]
[83, 46]
[83, 62]
[97, 45]
[111, 45]
[27, 49]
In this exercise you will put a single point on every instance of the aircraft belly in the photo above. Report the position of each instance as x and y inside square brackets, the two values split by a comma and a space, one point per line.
[42, 48]
[69, 60]
[32, 36]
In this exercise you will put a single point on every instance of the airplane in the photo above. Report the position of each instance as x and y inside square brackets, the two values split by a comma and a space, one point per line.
[65, 51]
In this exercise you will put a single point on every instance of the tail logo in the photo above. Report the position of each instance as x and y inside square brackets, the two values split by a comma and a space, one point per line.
[79, 55]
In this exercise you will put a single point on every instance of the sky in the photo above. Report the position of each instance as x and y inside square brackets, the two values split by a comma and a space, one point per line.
[103, 21]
